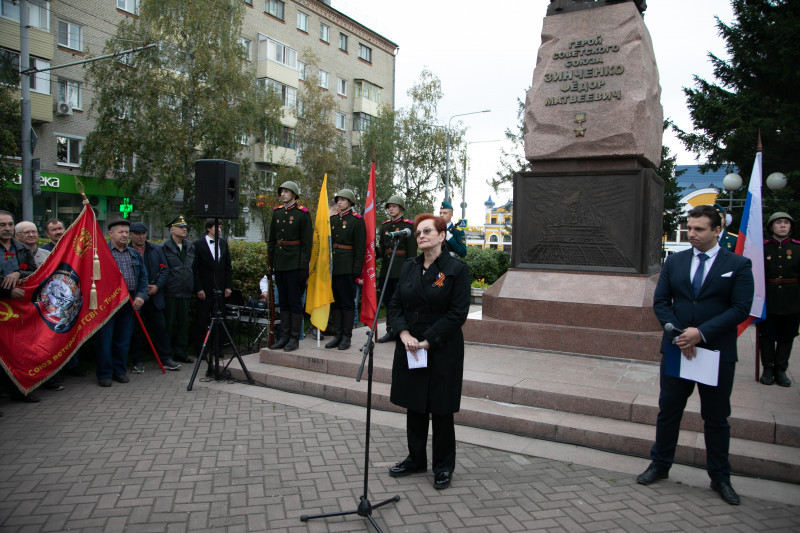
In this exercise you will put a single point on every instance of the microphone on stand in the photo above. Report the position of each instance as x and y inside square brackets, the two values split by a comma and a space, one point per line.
[402, 233]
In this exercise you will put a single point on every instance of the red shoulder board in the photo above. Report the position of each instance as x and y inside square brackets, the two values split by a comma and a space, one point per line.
[766, 241]
[303, 209]
[386, 222]
[357, 215]
[408, 221]
[277, 207]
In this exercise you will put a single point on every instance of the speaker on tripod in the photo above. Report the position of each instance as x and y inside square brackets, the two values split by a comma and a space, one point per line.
[216, 188]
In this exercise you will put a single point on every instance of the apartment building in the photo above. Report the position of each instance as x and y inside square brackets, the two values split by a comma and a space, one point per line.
[356, 64]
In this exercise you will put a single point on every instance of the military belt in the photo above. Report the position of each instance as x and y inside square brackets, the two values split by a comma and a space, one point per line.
[398, 252]
[781, 280]
[343, 246]
[288, 243]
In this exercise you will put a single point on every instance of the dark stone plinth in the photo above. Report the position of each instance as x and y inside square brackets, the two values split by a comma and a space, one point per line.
[568, 311]
[594, 215]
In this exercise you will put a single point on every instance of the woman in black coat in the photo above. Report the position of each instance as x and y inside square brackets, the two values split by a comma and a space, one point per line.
[428, 308]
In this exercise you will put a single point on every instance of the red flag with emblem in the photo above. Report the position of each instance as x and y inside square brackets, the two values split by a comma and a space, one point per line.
[69, 297]
[369, 295]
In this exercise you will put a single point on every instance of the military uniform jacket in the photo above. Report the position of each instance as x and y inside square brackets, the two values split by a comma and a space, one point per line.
[456, 243]
[782, 271]
[728, 241]
[406, 248]
[290, 238]
[180, 281]
[433, 307]
[349, 237]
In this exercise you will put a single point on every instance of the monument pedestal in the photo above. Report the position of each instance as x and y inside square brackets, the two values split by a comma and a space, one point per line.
[579, 312]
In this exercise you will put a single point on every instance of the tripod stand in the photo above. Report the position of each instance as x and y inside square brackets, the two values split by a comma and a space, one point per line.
[365, 507]
[217, 321]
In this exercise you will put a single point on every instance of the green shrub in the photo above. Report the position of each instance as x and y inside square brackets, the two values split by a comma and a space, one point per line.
[249, 262]
[487, 265]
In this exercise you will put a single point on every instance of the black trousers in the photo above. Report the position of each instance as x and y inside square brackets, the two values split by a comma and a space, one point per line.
[780, 328]
[715, 408]
[344, 292]
[443, 445]
[290, 291]
[157, 329]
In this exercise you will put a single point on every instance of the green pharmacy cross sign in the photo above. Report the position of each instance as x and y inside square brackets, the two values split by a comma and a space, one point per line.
[126, 207]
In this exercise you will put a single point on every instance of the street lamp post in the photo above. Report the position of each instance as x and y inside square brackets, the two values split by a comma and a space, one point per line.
[464, 179]
[447, 161]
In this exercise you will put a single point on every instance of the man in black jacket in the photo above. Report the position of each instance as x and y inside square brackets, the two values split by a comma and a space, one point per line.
[179, 255]
[210, 274]
[152, 312]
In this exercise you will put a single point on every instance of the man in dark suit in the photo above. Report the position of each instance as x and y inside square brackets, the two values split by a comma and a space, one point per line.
[210, 274]
[706, 292]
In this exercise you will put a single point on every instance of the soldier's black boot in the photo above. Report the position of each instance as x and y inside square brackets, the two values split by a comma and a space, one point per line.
[294, 333]
[782, 363]
[283, 334]
[767, 361]
[347, 329]
[389, 334]
[337, 329]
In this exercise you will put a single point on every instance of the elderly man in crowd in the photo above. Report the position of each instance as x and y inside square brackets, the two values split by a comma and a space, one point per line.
[28, 235]
[179, 255]
[53, 230]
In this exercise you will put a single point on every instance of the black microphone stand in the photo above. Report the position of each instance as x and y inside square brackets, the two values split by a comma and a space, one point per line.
[365, 507]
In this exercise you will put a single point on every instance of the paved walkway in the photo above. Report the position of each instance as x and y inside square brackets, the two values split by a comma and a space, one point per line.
[150, 456]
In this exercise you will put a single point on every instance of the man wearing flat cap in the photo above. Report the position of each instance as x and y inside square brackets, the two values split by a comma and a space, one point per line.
[456, 241]
[113, 340]
[179, 254]
[152, 312]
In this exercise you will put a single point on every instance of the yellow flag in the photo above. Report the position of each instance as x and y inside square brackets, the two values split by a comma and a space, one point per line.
[319, 295]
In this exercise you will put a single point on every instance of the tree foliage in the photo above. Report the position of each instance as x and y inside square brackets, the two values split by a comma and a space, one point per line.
[512, 160]
[755, 91]
[190, 97]
[9, 130]
[672, 195]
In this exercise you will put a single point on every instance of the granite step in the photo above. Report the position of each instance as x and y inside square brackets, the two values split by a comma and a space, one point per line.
[748, 457]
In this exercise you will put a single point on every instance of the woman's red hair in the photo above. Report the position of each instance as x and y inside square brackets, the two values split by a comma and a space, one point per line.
[438, 222]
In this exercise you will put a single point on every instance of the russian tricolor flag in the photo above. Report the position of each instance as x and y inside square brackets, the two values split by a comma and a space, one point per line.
[750, 244]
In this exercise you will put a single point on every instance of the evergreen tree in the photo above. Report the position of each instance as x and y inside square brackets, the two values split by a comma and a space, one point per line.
[672, 197]
[9, 129]
[513, 160]
[754, 92]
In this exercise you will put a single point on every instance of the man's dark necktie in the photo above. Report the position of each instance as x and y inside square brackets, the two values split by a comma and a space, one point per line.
[697, 280]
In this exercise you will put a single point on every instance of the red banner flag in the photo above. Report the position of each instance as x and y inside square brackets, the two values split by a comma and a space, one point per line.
[41, 331]
[369, 295]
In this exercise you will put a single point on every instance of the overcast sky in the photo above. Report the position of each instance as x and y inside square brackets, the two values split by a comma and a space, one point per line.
[485, 52]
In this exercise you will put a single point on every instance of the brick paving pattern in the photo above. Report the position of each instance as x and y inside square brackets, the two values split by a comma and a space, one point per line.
[150, 456]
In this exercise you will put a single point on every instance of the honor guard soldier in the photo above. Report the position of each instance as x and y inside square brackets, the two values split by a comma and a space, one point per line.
[455, 241]
[406, 248]
[349, 237]
[782, 271]
[289, 248]
[727, 239]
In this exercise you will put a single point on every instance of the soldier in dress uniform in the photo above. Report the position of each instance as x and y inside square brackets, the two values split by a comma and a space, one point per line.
[727, 239]
[349, 237]
[782, 271]
[406, 249]
[289, 248]
[456, 241]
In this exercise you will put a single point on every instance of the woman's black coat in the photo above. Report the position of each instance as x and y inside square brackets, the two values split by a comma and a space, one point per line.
[432, 307]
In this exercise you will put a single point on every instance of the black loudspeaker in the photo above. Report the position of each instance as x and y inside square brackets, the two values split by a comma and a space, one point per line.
[216, 188]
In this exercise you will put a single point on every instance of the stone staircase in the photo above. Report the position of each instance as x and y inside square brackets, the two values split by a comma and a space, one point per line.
[588, 401]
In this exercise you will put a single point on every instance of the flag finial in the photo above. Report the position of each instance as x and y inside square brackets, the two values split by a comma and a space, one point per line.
[758, 146]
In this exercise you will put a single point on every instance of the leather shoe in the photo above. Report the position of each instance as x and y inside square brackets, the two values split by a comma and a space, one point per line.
[768, 376]
[441, 480]
[389, 336]
[781, 379]
[405, 468]
[726, 492]
[183, 359]
[104, 382]
[651, 475]
[121, 378]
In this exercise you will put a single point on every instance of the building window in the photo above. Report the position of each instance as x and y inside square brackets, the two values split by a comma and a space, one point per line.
[248, 2]
[68, 150]
[361, 121]
[301, 71]
[247, 47]
[365, 53]
[364, 89]
[70, 35]
[324, 32]
[288, 94]
[323, 79]
[38, 13]
[340, 121]
[302, 21]
[268, 178]
[276, 51]
[69, 92]
[494, 220]
[40, 81]
[274, 8]
[284, 138]
[343, 42]
[131, 6]
[299, 108]
[341, 86]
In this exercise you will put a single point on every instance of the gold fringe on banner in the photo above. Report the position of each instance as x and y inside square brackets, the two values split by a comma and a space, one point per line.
[95, 258]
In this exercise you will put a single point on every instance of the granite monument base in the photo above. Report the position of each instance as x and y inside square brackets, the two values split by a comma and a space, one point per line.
[606, 314]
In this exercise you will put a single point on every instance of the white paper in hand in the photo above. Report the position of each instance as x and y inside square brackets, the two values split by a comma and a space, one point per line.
[421, 361]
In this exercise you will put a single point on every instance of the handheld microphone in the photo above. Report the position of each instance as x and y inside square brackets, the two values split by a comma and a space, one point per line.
[402, 233]
[669, 328]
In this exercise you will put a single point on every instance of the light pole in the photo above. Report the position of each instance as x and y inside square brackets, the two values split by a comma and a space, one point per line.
[464, 180]
[447, 161]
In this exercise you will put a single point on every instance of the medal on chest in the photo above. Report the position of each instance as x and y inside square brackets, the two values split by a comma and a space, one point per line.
[291, 219]
[344, 224]
[789, 253]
